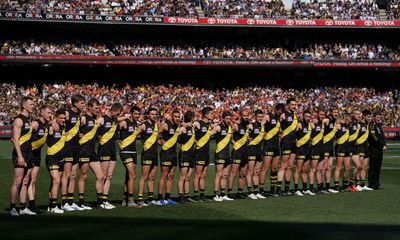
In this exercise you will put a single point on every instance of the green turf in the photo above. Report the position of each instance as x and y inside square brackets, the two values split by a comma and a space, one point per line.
[364, 215]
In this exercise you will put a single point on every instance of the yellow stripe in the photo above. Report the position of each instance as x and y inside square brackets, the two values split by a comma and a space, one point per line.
[129, 140]
[108, 135]
[291, 128]
[58, 146]
[40, 142]
[89, 135]
[74, 130]
[189, 144]
[152, 139]
[330, 135]
[305, 138]
[273, 131]
[363, 138]
[23, 139]
[343, 138]
[354, 136]
[259, 138]
[225, 141]
[318, 138]
[204, 139]
[172, 141]
[241, 142]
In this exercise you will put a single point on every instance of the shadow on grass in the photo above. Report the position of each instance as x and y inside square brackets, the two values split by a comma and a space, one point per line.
[87, 228]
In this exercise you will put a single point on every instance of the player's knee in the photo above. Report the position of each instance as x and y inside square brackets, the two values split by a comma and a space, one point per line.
[109, 177]
[171, 177]
[203, 175]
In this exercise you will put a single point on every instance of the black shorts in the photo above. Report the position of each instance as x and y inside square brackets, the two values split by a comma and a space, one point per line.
[26, 154]
[328, 149]
[71, 153]
[342, 150]
[271, 149]
[87, 154]
[186, 159]
[128, 157]
[303, 153]
[288, 148]
[220, 161]
[36, 157]
[168, 159]
[254, 153]
[239, 157]
[362, 151]
[317, 153]
[352, 148]
[54, 163]
[149, 157]
[107, 152]
[202, 158]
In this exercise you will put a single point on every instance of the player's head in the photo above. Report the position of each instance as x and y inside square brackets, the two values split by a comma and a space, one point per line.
[291, 104]
[116, 110]
[45, 112]
[307, 116]
[356, 115]
[245, 115]
[377, 117]
[207, 113]
[321, 114]
[259, 115]
[135, 111]
[60, 117]
[78, 101]
[94, 106]
[226, 117]
[152, 114]
[367, 115]
[188, 117]
[334, 112]
[27, 104]
[346, 118]
[176, 116]
[279, 109]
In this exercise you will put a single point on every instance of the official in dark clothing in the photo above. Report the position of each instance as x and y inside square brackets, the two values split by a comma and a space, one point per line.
[377, 144]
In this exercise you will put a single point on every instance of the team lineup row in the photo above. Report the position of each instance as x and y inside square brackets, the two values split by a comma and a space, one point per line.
[249, 147]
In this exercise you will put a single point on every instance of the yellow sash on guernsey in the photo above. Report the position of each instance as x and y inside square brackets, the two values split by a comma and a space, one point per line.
[108, 135]
[130, 139]
[318, 138]
[259, 138]
[225, 141]
[305, 138]
[204, 139]
[27, 136]
[330, 135]
[152, 139]
[58, 145]
[273, 131]
[363, 138]
[343, 138]
[241, 142]
[172, 141]
[89, 135]
[40, 142]
[354, 136]
[291, 128]
[189, 144]
[74, 130]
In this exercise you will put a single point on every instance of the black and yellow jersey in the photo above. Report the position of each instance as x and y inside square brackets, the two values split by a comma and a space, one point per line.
[303, 135]
[353, 132]
[187, 140]
[342, 135]
[128, 136]
[272, 128]
[256, 135]
[72, 126]
[39, 135]
[170, 136]
[108, 131]
[330, 131]
[89, 131]
[223, 138]
[288, 127]
[362, 139]
[317, 134]
[240, 137]
[203, 136]
[150, 137]
[56, 142]
[25, 139]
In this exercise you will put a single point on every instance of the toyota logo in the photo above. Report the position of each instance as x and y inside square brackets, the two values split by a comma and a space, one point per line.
[368, 23]
[329, 22]
[172, 20]
[250, 21]
[289, 22]
[211, 21]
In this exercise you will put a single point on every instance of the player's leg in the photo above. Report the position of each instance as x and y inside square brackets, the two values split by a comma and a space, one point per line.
[143, 178]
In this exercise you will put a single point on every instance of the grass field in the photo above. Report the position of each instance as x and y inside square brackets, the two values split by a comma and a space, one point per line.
[365, 215]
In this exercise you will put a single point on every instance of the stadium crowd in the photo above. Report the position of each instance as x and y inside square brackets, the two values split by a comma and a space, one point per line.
[314, 9]
[316, 51]
[166, 98]
[393, 11]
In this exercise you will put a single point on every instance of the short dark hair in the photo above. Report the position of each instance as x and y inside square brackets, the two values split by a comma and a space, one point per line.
[307, 111]
[376, 113]
[60, 111]
[135, 108]
[93, 101]
[206, 111]
[176, 111]
[24, 100]
[188, 116]
[280, 106]
[226, 114]
[43, 107]
[116, 107]
[77, 98]
[291, 99]
[151, 109]
[366, 112]
[258, 112]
